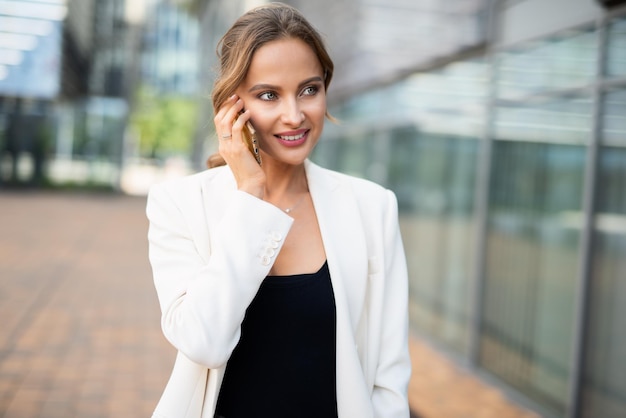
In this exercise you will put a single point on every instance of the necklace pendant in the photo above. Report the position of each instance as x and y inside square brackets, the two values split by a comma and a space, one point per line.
[293, 207]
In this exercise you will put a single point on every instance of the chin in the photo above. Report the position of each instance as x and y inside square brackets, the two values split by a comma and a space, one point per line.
[287, 159]
[293, 156]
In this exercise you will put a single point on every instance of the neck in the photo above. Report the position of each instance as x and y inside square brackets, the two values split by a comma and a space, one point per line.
[284, 181]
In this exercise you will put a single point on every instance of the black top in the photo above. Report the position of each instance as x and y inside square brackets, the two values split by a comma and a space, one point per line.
[284, 363]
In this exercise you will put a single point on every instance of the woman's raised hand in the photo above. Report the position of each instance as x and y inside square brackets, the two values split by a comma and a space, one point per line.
[229, 122]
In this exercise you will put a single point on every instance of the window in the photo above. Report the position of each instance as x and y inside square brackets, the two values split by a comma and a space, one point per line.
[604, 380]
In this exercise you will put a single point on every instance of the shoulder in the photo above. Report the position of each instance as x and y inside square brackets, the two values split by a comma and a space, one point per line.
[186, 195]
[189, 184]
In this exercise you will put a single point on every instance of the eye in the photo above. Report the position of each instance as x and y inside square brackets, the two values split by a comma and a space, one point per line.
[268, 96]
[310, 90]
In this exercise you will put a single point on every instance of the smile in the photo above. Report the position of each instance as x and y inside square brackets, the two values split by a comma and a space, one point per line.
[292, 137]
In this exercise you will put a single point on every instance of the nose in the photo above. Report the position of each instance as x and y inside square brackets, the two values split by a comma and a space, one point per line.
[292, 115]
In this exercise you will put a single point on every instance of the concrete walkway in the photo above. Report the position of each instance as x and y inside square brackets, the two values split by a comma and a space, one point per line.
[79, 332]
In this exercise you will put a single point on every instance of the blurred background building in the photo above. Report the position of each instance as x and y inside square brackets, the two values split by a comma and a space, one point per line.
[170, 50]
[78, 87]
[66, 70]
[500, 125]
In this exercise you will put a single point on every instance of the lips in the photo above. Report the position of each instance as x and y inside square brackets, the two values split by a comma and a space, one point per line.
[293, 139]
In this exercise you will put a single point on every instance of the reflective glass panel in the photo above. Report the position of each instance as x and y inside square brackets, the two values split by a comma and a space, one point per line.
[614, 119]
[533, 234]
[604, 384]
[438, 230]
[562, 122]
[616, 57]
[562, 62]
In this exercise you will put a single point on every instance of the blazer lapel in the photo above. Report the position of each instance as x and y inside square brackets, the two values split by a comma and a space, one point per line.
[342, 233]
[346, 253]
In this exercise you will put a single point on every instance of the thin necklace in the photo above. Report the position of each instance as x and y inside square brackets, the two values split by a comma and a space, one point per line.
[289, 210]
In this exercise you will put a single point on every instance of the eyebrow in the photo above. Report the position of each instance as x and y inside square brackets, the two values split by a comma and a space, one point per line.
[258, 87]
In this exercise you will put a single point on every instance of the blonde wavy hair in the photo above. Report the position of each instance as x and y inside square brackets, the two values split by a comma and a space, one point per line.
[263, 24]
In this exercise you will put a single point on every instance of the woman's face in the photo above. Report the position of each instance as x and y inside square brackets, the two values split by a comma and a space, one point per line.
[284, 91]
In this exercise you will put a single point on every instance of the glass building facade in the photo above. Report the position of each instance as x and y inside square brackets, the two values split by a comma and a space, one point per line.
[510, 170]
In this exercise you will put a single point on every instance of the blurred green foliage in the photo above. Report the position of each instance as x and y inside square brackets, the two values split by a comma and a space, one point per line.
[165, 123]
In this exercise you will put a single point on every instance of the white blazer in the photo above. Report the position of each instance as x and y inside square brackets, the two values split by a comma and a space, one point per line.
[210, 248]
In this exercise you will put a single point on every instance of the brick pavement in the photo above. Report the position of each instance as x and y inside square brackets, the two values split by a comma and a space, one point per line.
[441, 389]
[79, 333]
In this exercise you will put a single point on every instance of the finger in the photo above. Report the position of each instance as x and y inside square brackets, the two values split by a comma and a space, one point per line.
[224, 108]
[235, 146]
[236, 137]
[224, 117]
[236, 142]
[240, 122]
[225, 125]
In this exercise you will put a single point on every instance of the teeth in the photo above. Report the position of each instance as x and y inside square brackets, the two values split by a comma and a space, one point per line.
[292, 138]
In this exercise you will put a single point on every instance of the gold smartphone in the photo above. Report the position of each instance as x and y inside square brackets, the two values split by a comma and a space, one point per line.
[249, 137]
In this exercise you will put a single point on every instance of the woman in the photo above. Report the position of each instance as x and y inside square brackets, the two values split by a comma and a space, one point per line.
[282, 285]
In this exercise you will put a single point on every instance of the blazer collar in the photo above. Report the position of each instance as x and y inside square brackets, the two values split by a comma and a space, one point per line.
[340, 222]
[341, 226]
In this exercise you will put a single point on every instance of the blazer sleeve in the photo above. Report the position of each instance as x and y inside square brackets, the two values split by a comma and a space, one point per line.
[389, 397]
[203, 302]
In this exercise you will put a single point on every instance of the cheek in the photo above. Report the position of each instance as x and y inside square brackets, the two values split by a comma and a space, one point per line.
[264, 124]
[261, 119]
[317, 110]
